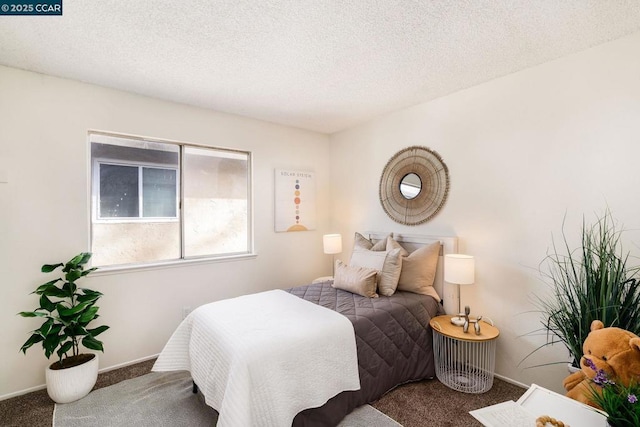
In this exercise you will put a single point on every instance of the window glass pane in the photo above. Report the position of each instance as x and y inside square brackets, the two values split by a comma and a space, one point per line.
[216, 194]
[159, 192]
[118, 191]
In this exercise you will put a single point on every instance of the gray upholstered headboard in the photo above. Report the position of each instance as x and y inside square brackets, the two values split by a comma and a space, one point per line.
[449, 245]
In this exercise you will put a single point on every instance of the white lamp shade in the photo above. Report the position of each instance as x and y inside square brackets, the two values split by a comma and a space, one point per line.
[459, 269]
[332, 243]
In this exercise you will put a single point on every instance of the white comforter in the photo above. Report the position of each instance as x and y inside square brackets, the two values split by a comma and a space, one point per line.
[260, 359]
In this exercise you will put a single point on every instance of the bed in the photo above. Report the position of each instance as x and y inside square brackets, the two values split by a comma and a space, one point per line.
[393, 341]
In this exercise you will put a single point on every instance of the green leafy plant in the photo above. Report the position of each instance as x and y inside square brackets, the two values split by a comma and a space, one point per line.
[618, 400]
[67, 311]
[591, 282]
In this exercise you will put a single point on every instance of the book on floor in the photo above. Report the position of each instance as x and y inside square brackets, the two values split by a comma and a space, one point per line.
[536, 402]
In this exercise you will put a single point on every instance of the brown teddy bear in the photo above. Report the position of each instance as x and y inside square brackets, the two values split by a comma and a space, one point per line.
[612, 351]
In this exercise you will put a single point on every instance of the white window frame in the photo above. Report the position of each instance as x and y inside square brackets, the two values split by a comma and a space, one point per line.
[97, 217]
[250, 251]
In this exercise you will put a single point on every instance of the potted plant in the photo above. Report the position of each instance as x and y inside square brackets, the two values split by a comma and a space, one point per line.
[67, 311]
[617, 399]
[591, 282]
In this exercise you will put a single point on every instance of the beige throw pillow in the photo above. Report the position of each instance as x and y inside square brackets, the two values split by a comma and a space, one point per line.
[362, 242]
[357, 280]
[389, 276]
[419, 271]
[388, 264]
[392, 244]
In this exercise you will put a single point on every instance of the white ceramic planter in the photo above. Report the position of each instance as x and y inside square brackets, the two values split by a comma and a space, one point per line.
[68, 385]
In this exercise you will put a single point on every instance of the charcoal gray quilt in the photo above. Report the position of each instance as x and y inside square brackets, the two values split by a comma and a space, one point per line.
[393, 339]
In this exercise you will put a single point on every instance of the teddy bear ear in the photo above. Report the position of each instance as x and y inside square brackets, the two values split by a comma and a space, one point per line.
[596, 324]
[634, 343]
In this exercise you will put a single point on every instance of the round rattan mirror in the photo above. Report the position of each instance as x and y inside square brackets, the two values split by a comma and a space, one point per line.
[414, 185]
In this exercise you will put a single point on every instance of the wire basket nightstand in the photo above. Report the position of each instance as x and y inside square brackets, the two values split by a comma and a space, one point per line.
[464, 361]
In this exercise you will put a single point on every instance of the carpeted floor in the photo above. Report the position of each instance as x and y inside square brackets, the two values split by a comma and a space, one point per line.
[36, 409]
[425, 403]
[430, 403]
[167, 399]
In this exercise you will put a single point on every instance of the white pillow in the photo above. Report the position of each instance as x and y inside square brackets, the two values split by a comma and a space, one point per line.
[368, 258]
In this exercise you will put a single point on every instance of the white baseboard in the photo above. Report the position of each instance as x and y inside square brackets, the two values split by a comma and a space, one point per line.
[510, 381]
[107, 369]
[132, 362]
[144, 359]
[21, 392]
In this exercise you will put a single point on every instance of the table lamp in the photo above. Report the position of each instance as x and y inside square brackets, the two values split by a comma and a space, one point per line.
[459, 270]
[332, 244]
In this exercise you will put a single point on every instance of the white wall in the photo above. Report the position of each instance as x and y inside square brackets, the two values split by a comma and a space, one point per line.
[44, 214]
[522, 151]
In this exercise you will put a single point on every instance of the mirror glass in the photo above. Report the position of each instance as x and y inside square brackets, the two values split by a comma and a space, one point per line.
[410, 186]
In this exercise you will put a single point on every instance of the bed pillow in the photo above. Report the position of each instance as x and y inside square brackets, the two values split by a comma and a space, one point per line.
[357, 280]
[393, 244]
[419, 271]
[389, 276]
[362, 242]
[388, 264]
[361, 257]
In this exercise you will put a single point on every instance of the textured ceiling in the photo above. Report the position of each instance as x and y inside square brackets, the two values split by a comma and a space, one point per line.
[323, 65]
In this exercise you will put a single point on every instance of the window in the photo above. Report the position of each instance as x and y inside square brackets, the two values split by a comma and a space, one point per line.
[156, 201]
[130, 191]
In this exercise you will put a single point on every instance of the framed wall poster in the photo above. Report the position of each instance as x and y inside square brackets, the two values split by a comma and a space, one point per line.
[295, 200]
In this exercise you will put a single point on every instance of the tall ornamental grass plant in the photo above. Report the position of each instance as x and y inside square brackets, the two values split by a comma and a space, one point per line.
[592, 282]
